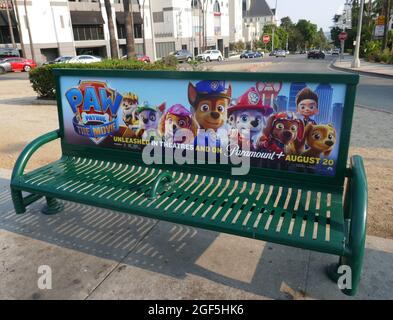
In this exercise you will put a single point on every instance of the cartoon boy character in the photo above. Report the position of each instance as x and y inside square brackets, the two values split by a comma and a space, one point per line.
[307, 105]
[149, 118]
[246, 116]
[210, 101]
[130, 117]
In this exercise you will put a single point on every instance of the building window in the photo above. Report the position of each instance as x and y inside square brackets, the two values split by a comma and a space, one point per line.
[163, 49]
[5, 36]
[158, 16]
[88, 32]
[216, 7]
[196, 4]
[121, 31]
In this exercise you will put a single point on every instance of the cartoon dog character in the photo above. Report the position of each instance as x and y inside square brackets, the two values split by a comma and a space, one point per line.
[210, 101]
[247, 115]
[283, 133]
[130, 117]
[178, 117]
[320, 139]
[149, 117]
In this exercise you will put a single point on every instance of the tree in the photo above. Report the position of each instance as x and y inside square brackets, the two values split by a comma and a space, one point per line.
[10, 28]
[28, 30]
[22, 44]
[129, 26]
[111, 27]
[287, 24]
[280, 36]
[388, 9]
[308, 30]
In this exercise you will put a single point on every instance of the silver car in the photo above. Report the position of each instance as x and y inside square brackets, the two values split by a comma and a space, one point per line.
[281, 54]
[5, 67]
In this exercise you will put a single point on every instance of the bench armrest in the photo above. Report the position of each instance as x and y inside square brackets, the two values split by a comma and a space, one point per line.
[357, 205]
[29, 150]
[164, 179]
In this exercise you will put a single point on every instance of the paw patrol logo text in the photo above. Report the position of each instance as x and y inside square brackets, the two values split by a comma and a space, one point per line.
[95, 107]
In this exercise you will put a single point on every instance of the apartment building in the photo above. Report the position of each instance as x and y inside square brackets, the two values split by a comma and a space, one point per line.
[235, 21]
[191, 25]
[60, 27]
[256, 14]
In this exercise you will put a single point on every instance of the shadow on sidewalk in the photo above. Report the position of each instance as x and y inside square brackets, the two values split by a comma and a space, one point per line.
[175, 250]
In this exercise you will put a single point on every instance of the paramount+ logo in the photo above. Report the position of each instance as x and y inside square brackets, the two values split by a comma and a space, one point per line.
[95, 108]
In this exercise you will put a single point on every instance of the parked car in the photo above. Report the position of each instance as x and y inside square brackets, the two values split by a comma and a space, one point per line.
[142, 57]
[316, 54]
[61, 59]
[210, 55]
[273, 53]
[9, 53]
[139, 57]
[20, 64]
[247, 54]
[182, 55]
[5, 67]
[336, 52]
[85, 58]
[281, 54]
[259, 54]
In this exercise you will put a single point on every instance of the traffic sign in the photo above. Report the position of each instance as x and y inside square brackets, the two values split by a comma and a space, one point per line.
[343, 36]
[381, 21]
[266, 39]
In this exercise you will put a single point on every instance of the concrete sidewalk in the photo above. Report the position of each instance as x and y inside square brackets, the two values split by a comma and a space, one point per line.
[366, 68]
[102, 254]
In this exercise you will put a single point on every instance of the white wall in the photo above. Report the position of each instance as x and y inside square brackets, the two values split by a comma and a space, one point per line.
[45, 23]
[235, 20]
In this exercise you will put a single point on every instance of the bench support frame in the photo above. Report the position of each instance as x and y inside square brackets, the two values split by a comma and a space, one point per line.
[355, 210]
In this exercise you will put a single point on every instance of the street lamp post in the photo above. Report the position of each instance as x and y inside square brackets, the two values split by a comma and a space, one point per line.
[356, 60]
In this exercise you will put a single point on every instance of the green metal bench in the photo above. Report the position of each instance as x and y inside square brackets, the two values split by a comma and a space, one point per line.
[310, 210]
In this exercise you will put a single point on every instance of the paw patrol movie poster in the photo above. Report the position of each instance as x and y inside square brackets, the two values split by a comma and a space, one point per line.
[287, 126]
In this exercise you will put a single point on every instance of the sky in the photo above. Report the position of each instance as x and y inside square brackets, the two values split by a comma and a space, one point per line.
[320, 12]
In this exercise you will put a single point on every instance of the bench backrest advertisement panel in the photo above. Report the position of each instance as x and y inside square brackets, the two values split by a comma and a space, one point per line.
[292, 126]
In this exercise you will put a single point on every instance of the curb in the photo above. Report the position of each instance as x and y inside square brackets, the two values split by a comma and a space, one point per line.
[43, 102]
[373, 109]
[364, 73]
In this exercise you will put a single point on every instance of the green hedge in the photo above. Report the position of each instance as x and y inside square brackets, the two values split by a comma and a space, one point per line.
[43, 81]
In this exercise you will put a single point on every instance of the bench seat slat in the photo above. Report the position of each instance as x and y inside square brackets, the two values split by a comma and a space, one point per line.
[261, 211]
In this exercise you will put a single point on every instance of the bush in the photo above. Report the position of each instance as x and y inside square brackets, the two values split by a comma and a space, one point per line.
[43, 80]
[170, 61]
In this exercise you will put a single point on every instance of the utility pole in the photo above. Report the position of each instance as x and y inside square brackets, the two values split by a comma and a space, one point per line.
[356, 60]
[387, 20]
[152, 31]
[274, 25]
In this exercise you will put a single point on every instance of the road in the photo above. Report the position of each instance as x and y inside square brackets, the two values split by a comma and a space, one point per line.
[373, 92]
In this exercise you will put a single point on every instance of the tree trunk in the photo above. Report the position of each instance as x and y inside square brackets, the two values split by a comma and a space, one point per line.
[387, 20]
[29, 31]
[129, 24]
[11, 29]
[111, 27]
[22, 45]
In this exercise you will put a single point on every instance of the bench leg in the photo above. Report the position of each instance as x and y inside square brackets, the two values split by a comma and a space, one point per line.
[355, 264]
[52, 206]
[17, 200]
